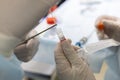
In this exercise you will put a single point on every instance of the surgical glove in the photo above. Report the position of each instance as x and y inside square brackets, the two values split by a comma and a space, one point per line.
[111, 27]
[17, 18]
[26, 52]
[69, 65]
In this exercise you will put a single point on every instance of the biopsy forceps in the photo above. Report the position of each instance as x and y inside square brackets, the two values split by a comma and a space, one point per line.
[25, 41]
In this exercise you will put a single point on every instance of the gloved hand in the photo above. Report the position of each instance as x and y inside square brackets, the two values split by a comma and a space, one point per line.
[26, 52]
[111, 27]
[69, 65]
[17, 18]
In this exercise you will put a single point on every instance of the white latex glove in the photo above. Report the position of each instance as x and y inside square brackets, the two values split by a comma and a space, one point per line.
[26, 52]
[111, 27]
[17, 18]
[69, 65]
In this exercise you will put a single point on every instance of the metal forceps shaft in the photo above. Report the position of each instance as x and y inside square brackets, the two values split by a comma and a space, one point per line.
[25, 41]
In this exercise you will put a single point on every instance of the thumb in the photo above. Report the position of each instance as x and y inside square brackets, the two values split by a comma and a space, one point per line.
[111, 28]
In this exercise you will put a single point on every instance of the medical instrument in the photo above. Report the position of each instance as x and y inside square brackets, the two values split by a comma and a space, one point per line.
[52, 19]
[100, 26]
[25, 41]
[60, 34]
[84, 39]
[81, 42]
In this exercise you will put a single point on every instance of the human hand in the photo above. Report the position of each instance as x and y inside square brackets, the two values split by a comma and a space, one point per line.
[26, 51]
[18, 18]
[69, 65]
[111, 27]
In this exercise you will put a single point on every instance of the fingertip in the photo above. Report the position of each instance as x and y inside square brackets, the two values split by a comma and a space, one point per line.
[108, 24]
[100, 19]
[100, 26]
[30, 43]
[110, 27]
[105, 25]
[76, 47]
[65, 43]
[69, 40]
